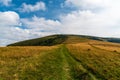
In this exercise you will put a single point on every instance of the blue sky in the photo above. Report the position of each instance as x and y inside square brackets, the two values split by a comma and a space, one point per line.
[27, 19]
[53, 8]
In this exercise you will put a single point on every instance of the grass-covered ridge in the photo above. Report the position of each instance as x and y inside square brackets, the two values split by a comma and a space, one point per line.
[44, 41]
[59, 39]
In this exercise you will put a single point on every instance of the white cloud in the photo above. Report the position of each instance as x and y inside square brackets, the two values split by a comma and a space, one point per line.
[31, 8]
[88, 4]
[97, 17]
[41, 26]
[9, 18]
[89, 23]
[9, 28]
[5, 2]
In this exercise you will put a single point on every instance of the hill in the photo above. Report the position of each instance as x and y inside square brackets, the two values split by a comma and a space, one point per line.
[82, 59]
[59, 39]
[44, 41]
[73, 57]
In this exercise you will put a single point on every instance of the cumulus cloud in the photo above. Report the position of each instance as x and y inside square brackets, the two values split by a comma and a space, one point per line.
[31, 8]
[41, 26]
[5, 2]
[9, 28]
[88, 23]
[9, 18]
[97, 17]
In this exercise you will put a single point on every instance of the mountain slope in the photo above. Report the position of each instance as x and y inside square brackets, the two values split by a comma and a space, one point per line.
[59, 39]
[44, 41]
[51, 40]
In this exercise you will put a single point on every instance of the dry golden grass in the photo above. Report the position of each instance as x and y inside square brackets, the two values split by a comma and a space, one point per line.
[104, 43]
[114, 47]
[86, 59]
[102, 63]
[75, 39]
[108, 46]
[14, 61]
[22, 51]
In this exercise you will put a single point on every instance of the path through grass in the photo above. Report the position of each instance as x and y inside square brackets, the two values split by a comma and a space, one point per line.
[77, 71]
[71, 62]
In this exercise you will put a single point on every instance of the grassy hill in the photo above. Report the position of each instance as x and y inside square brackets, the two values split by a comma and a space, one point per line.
[72, 57]
[51, 40]
[44, 41]
[59, 39]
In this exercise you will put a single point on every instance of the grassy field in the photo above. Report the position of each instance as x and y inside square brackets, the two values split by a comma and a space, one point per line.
[103, 64]
[113, 47]
[89, 60]
[26, 63]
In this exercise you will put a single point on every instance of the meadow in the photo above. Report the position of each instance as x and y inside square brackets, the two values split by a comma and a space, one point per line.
[25, 63]
[85, 60]
[103, 64]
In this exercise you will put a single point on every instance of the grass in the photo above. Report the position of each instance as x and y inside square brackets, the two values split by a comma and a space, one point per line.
[40, 63]
[86, 60]
[101, 63]
[75, 39]
[44, 41]
[25, 63]
[76, 70]
[108, 47]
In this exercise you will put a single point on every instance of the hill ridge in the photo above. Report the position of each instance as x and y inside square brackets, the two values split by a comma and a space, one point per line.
[61, 39]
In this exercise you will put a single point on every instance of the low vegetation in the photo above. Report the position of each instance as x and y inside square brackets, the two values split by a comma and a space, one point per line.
[27, 63]
[44, 41]
[60, 39]
[104, 65]
[75, 58]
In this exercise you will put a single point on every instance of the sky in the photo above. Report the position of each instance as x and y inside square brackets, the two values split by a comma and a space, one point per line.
[26, 19]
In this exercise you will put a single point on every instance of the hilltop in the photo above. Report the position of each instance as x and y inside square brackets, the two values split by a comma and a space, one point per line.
[62, 39]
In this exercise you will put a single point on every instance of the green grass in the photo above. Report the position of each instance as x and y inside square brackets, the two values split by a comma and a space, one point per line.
[78, 72]
[44, 41]
[48, 67]
[30, 63]
[26, 63]
[79, 61]
[101, 63]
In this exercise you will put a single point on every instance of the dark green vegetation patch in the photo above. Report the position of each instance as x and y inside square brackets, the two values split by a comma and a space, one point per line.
[44, 41]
